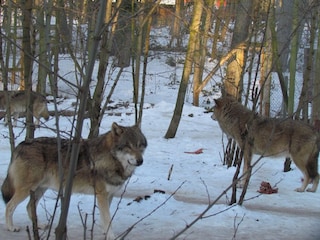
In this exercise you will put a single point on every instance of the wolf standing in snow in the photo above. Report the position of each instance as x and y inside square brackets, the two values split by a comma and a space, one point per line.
[18, 104]
[270, 137]
[104, 164]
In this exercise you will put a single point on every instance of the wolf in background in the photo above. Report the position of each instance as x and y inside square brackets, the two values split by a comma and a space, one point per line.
[18, 104]
[270, 137]
[104, 164]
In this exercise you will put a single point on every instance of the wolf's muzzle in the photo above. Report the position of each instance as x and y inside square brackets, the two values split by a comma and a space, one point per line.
[139, 161]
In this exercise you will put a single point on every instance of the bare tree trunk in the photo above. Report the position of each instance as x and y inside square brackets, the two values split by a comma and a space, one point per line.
[5, 79]
[122, 41]
[176, 40]
[233, 82]
[26, 6]
[63, 27]
[316, 84]
[201, 52]
[283, 13]
[44, 13]
[293, 57]
[95, 104]
[194, 34]
[278, 63]
[61, 230]
[240, 35]
[309, 55]
[146, 34]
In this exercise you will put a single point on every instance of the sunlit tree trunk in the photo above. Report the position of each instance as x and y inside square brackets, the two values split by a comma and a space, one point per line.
[194, 33]
[201, 51]
[240, 34]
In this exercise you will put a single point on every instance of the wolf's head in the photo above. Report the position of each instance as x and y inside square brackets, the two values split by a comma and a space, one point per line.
[217, 109]
[130, 144]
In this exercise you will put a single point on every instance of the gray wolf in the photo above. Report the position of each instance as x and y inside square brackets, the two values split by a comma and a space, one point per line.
[18, 104]
[270, 137]
[104, 164]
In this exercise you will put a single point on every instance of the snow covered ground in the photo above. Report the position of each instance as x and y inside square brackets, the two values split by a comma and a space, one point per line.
[168, 206]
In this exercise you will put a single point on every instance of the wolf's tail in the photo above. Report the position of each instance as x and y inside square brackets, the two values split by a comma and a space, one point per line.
[7, 190]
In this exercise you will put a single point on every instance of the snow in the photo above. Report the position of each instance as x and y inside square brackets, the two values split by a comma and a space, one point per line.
[169, 205]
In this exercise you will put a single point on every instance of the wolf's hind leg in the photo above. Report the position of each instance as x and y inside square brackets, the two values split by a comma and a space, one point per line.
[246, 172]
[314, 185]
[305, 183]
[17, 198]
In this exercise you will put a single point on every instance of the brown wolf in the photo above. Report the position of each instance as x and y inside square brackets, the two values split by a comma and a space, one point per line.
[18, 104]
[104, 164]
[269, 137]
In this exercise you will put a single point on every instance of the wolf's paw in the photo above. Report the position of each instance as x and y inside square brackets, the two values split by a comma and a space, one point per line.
[299, 190]
[13, 229]
[311, 190]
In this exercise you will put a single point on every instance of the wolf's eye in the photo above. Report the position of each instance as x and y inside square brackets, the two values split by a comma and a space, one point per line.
[142, 146]
[121, 147]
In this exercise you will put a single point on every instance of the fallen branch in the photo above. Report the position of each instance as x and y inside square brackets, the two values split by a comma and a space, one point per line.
[125, 233]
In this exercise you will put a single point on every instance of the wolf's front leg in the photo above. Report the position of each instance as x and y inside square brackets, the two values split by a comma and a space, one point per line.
[315, 184]
[246, 172]
[104, 207]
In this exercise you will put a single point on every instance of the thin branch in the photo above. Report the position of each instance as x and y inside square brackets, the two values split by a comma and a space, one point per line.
[201, 215]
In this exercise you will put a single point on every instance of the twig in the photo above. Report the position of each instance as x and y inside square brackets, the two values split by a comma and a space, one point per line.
[207, 191]
[236, 227]
[201, 216]
[217, 213]
[170, 172]
[83, 220]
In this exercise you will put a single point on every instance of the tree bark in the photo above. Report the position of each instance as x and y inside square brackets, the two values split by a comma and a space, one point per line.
[293, 57]
[316, 84]
[194, 34]
[201, 52]
[26, 6]
[61, 230]
[240, 35]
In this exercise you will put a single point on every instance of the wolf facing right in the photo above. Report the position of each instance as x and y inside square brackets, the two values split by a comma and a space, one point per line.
[104, 164]
[260, 135]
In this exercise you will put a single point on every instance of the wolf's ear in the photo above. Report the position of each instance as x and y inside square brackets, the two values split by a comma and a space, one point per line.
[116, 129]
[138, 124]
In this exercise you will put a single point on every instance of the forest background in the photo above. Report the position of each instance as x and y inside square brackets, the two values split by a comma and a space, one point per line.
[262, 40]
